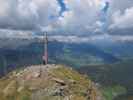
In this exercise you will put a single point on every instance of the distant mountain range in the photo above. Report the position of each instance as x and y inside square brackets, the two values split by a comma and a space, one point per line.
[25, 51]
[106, 61]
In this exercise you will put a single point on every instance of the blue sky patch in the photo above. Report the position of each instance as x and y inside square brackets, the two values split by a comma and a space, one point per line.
[62, 5]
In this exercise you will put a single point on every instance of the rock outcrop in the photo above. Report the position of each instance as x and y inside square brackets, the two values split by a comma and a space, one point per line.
[49, 82]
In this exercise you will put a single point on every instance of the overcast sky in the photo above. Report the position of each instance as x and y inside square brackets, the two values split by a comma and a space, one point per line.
[66, 16]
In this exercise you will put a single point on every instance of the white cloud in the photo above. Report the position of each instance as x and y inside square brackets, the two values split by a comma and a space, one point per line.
[4, 8]
[124, 20]
[27, 14]
[82, 16]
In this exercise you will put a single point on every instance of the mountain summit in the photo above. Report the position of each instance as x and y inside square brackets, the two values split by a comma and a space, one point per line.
[48, 82]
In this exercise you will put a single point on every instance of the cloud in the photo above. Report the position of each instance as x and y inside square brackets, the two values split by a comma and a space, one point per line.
[7, 33]
[4, 8]
[124, 20]
[27, 14]
[81, 14]
[85, 16]
[64, 16]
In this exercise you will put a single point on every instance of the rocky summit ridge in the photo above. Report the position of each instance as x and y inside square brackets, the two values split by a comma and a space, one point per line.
[48, 82]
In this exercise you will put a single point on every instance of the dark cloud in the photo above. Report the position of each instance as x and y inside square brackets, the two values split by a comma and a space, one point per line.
[117, 31]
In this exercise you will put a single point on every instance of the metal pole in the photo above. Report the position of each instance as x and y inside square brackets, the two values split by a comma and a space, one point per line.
[45, 56]
[46, 49]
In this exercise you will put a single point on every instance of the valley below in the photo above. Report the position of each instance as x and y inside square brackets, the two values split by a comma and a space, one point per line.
[110, 66]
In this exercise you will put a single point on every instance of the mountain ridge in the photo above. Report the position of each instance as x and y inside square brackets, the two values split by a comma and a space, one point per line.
[49, 82]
